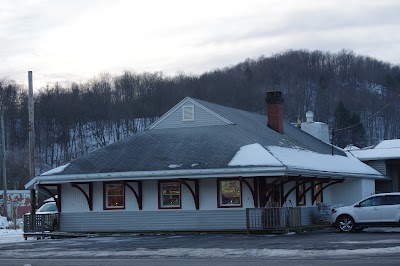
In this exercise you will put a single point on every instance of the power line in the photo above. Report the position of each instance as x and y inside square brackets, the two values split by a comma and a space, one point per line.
[386, 105]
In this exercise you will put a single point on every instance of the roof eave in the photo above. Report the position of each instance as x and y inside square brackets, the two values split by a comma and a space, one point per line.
[328, 174]
[151, 175]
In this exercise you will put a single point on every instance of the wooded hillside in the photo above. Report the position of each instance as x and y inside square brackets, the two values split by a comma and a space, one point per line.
[342, 89]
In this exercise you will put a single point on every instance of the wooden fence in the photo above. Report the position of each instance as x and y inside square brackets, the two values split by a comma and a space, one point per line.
[41, 222]
[273, 219]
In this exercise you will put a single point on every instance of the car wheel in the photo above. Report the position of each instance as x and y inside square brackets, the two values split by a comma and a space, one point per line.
[345, 223]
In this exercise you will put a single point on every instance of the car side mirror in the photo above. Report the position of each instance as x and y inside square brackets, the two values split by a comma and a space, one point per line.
[357, 206]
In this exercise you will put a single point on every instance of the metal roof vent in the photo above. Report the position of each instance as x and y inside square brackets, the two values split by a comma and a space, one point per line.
[188, 113]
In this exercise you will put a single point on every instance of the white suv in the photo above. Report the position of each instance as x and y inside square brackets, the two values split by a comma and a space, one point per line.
[377, 210]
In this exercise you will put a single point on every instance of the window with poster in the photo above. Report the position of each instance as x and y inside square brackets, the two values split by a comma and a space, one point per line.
[229, 193]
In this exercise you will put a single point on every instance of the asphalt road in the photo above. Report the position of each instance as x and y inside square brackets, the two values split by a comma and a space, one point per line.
[326, 247]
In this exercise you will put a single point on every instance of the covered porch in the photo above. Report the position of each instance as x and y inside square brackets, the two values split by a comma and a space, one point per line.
[281, 195]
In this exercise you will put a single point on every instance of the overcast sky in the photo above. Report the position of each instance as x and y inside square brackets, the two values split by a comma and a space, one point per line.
[74, 40]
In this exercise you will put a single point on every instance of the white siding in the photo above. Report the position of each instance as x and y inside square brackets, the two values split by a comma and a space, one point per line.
[171, 220]
[150, 196]
[201, 118]
[208, 194]
[351, 191]
[73, 200]
[367, 187]
[379, 166]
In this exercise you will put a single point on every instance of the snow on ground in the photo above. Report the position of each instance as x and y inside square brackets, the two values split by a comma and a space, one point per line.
[4, 223]
[15, 236]
[206, 253]
[56, 170]
[11, 236]
[253, 154]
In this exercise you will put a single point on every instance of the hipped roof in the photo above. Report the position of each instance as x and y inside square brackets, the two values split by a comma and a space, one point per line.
[206, 151]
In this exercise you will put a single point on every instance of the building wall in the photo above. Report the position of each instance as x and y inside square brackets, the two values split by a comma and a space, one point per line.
[351, 191]
[74, 201]
[379, 166]
[18, 203]
[171, 220]
[76, 217]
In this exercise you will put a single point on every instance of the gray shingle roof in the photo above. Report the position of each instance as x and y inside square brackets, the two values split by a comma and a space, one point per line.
[206, 147]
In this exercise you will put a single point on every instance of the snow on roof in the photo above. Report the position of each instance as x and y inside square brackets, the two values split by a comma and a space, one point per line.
[253, 154]
[388, 144]
[56, 170]
[387, 149]
[174, 165]
[298, 159]
[351, 147]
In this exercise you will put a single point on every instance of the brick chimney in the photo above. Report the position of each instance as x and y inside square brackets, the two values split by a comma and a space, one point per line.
[274, 102]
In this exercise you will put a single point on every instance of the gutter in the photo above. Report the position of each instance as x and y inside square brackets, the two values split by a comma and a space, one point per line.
[151, 175]
[308, 172]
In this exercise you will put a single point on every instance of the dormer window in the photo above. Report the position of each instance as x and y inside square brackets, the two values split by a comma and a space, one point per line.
[188, 113]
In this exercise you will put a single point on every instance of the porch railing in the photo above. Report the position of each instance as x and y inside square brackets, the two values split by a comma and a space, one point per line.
[273, 218]
[41, 222]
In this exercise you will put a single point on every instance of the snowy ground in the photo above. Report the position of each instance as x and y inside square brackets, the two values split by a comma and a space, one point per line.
[375, 242]
[11, 236]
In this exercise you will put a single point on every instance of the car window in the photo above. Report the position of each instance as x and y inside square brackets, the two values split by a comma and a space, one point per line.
[374, 201]
[391, 200]
[48, 207]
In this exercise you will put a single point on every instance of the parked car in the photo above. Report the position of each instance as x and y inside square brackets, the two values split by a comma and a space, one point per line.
[376, 210]
[47, 208]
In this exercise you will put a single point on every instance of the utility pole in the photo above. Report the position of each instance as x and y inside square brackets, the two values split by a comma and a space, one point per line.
[31, 141]
[3, 151]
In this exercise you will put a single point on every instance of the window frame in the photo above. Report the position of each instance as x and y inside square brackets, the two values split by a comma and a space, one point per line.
[321, 195]
[105, 196]
[160, 205]
[386, 202]
[191, 106]
[219, 203]
[375, 201]
[301, 202]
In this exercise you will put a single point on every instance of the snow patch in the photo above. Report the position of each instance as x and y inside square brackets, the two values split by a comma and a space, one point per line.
[11, 235]
[56, 170]
[253, 154]
[194, 164]
[308, 160]
[174, 165]
[4, 223]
